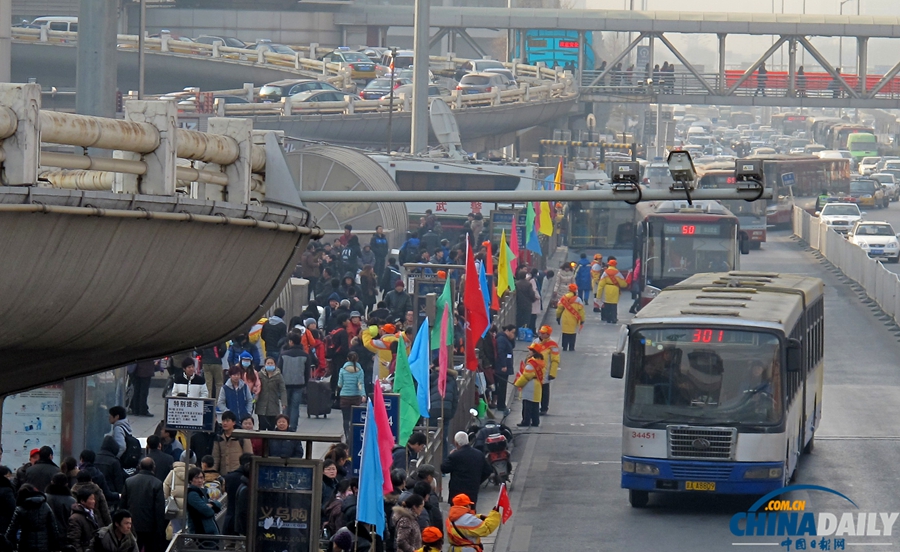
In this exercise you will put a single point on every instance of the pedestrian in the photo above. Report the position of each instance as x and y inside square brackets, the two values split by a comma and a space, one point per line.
[351, 389]
[272, 399]
[69, 466]
[235, 396]
[608, 291]
[398, 301]
[465, 528]
[570, 315]
[7, 496]
[273, 331]
[140, 378]
[201, 509]
[366, 360]
[111, 469]
[389, 277]
[212, 479]
[60, 499]
[800, 80]
[444, 408]
[255, 443]
[596, 271]
[504, 367]
[284, 448]
[311, 340]
[467, 467]
[380, 248]
[536, 304]
[83, 524]
[43, 469]
[295, 369]
[635, 276]
[188, 383]
[431, 516]
[329, 482]
[162, 462]
[101, 507]
[145, 499]
[834, 85]
[118, 536]
[762, 76]
[368, 287]
[232, 483]
[22, 471]
[564, 277]
[33, 527]
[583, 277]
[118, 419]
[406, 457]
[550, 350]
[227, 448]
[530, 382]
[525, 297]
[432, 540]
[408, 535]
[95, 476]
[336, 350]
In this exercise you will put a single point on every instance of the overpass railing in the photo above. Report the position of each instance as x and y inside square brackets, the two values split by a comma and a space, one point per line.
[882, 287]
[777, 84]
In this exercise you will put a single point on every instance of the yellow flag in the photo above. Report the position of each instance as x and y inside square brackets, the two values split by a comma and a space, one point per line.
[546, 220]
[558, 177]
[502, 267]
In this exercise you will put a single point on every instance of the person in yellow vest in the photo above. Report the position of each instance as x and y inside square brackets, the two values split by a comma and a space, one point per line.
[378, 341]
[465, 528]
[596, 271]
[550, 350]
[530, 382]
[570, 315]
[608, 291]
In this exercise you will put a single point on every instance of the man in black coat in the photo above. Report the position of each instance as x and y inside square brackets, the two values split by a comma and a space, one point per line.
[111, 469]
[503, 367]
[232, 483]
[273, 331]
[43, 470]
[467, 467]
[161, 460]
[143, 496]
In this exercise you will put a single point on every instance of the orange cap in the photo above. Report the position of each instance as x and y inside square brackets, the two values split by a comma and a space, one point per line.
[389, 328]
[613, 262]
[462, 500]
[573, 287]
[546, 330]
[441, 274]
[534, 347]
[431, 535]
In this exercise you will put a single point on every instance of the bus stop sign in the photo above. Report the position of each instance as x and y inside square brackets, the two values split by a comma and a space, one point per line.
[787, 179]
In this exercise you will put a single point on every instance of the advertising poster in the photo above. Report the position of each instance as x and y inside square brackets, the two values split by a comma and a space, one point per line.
[31, 420]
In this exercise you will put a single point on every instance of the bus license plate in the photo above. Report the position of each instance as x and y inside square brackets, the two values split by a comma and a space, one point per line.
[699, 485]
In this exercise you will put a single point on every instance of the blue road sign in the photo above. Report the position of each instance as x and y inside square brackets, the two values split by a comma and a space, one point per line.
[358, 422]
[787, 179]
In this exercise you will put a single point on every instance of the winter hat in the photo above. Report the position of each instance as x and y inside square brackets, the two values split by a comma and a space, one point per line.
[355, 314]
[431, 535]
[399, 284]
[343, 540]
[309, 321]
[573, 287]
[389, 328]
[245, 354]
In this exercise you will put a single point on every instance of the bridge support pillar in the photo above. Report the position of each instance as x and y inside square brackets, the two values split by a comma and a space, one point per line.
[862, 62]
[5, 40]
[160, 176]
[238, 173]
[792, 68]
[95, 77]
[23, 147]
[722, 85]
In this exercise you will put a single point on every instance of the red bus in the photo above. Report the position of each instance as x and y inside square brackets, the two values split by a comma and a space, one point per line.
[750, 214]
[675, 240]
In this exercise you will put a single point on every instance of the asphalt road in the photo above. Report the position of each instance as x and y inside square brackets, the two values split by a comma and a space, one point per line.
[567, 494]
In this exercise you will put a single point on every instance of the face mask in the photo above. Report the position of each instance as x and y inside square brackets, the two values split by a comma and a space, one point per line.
[270, 367]
[245, 363]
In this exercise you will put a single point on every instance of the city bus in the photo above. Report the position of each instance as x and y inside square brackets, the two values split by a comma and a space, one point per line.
[723, 390]
[789, 123]
[751, 214]
[600, 225]
[556, 47]
[675, 240]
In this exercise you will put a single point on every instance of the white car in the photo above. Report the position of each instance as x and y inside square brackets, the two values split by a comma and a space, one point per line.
[889, 183]
[840, 217]
[877, 239]
[868, 164]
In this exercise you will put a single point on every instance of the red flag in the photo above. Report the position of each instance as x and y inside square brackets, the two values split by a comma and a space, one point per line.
[443, 359]
[385, 437]
[489, 259]
[476, 317]
[503, 502]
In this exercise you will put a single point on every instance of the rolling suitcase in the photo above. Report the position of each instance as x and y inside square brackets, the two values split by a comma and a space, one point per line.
[318, 398]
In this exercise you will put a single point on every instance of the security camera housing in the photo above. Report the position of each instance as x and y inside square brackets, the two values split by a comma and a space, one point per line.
[682, 168]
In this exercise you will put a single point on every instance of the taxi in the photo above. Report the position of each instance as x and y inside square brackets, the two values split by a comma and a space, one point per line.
[361, 67]
[868, 193]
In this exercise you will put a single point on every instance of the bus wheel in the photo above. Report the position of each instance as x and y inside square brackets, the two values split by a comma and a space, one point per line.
[638, 499]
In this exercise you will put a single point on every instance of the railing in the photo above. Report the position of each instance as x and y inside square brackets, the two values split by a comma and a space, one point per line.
[814, 85]
[881, 285]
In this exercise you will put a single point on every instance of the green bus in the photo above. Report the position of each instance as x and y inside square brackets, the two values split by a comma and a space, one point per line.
[862, 144]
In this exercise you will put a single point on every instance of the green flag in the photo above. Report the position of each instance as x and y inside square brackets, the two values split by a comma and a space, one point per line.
[444, 300]
[409, 403]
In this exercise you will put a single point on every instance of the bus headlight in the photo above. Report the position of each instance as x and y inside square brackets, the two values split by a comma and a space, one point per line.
[645, 469]
[627, 466]
[763, 473]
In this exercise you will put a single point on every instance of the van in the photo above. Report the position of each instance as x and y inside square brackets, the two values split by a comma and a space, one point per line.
[57, 23]
[862, 144]
[402, 60]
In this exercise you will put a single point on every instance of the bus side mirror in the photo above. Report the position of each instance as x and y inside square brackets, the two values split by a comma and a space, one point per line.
[617, 366]
[745, 246]
[794, 356]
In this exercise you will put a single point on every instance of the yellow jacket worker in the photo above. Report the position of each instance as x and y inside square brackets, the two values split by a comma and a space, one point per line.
[608, 291]
[531, 381]
[570, 315]
[465, 528]
[550, 350]
[381, 346]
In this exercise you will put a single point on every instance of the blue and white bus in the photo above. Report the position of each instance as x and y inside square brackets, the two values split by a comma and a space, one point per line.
[557, 47]
[723, 390]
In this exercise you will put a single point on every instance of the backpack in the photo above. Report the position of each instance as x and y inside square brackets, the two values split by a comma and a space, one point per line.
[133, 452]
[331, 344]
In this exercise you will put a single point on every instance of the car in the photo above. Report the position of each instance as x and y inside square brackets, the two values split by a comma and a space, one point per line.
[885, 160]
[505, 72]
[867, 165]
[433, 90]
[274, 91]
[318, 96]
[381, 87]
[402, 60]
[868, 193]
[840, 217]
[477, 66]
[227, 98]
[889, 183]
[657, 176]
[361, 67]
[275, 48]
[407, 73]
[373, 52]
[229, 41]
[56, 23]
[480, 83]
[877, 238]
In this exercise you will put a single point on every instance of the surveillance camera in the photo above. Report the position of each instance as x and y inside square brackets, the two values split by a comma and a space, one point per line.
[625, 172]
[748, 170]
[682, 168]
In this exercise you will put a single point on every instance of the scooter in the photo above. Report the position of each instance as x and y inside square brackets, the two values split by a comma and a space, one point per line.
[494, 440]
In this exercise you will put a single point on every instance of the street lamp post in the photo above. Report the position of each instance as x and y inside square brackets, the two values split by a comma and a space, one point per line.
[841, 40]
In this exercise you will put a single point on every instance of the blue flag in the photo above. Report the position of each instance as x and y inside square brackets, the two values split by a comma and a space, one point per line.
[370, 503]
[486, 291]
[419, 365]
[533, 243]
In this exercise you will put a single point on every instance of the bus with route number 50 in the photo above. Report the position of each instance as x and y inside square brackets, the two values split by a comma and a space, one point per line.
[723, 387]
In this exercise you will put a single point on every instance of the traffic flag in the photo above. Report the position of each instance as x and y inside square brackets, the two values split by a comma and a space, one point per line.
[443, 359]
[546, 219]
[385, 437]
[504, 280]
[489, 258]
[444, 302]
[409, 402]
[419, 365]
[558, 178]
[372, 488]
[532, 243]
[476, 315]
[486, 290]
[514, 246]
[503, 503]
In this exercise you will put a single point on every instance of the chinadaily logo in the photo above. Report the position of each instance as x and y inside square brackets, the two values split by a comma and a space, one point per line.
[792, 524]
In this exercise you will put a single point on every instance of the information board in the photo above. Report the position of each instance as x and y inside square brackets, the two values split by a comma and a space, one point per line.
[502, 220]
[190, 414]
[358, 423]
[31, 420]
[285, 505]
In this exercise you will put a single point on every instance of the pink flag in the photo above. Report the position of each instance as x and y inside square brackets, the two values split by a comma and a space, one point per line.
[385, 437]
[514, 246]
[476, 315]
[442, 354]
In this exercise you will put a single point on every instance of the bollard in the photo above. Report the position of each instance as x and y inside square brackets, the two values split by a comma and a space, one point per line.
[312, 50]
[287, 108]
[261, 56]
[238, 173]
[45, 33]
[215, 47]
[248, 91]
[350, 107]
[515, 67]
[164, 38]
[22, 146]
[160, 177]
[297, 60]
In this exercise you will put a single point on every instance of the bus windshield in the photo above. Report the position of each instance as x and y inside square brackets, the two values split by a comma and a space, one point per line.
[704, 375]
[678, 249]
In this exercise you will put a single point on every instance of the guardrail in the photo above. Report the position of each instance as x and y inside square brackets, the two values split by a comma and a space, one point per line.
[881, 285]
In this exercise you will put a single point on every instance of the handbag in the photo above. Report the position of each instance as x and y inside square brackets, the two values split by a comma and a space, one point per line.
[171, 504]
